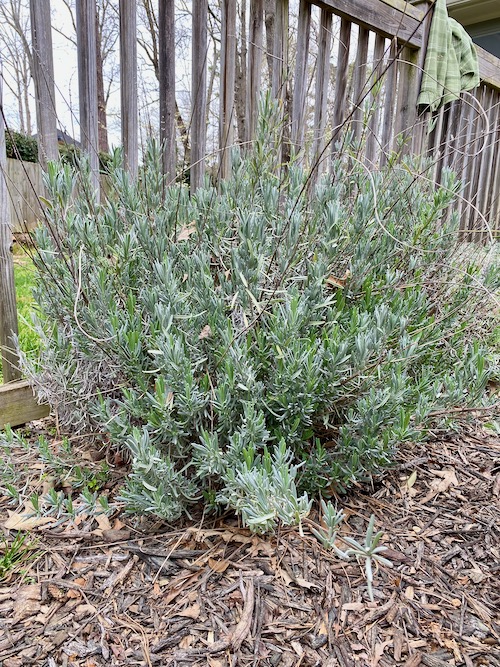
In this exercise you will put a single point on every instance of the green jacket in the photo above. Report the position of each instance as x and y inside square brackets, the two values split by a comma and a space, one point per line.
[451, 64]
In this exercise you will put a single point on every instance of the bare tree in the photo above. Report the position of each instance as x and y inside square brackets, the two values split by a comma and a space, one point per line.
[107, 32]
[148, 16]
[241, 74]
[15, 49]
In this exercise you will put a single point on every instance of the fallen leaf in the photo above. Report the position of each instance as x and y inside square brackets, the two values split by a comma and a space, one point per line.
[191, 612]
[441, 483]
[444, 479]
[48, 485]
[206, 332]
[23, 521]
[83, 610]
[244, 625]
[80, 581]
[452, 644]
[218, 565]
[285, 576]
[475, 575]
[261, 546]
[379, 652]
[27, 602]
[496, 485]
[300, 581]
[103, 522]
[56, 592]
[74, 594]
[410, 592]
[411, 480]
[186, 232]
[333, 281]
[114, 535]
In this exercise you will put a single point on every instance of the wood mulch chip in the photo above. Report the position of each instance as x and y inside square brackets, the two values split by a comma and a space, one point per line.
[214, 594]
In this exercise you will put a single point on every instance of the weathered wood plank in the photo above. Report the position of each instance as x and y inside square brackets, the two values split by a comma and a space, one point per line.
[300, 78]
[471, 132]
[406, 112]
[389, 91]
[198, 94]
[417, 12]
[359, 83]
[280, 73]
[485, 160]
[488, 68]
[322, 80]
[340, 102]
[128, 85]
[43, 75]
[227, 82]
[166, 63]
[381, 17]
[8, 308]
[24, 182]
[87, 84]
[494, 216]
[256, 32]
[494, 189]
[373, 124]
[280, 49]
[18, 405]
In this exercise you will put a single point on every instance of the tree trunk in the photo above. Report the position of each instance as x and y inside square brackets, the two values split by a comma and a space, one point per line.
[270, 14]
[101, 98]
[241, 77]
[166, 66]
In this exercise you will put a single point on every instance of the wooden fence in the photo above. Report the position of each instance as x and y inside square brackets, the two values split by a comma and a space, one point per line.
[24, 184]
[370, 95]
[354, 73]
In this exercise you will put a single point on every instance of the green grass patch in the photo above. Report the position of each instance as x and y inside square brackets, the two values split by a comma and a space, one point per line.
[24, 276]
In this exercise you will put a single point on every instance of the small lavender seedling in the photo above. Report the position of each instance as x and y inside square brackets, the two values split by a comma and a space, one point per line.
[332, 518]
[370, 551]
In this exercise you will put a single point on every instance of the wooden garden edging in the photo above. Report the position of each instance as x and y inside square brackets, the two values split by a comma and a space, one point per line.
[18, 405]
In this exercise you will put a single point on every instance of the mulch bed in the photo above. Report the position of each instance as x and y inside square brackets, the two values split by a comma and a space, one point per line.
[214, 594]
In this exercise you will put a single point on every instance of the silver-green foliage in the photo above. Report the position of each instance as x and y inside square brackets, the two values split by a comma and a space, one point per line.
[211, 337]
[369, 551]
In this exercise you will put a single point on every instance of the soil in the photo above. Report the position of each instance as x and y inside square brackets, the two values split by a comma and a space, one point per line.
[118, 591]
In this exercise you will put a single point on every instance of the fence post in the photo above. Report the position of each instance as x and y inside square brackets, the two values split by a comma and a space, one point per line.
[300, 79]
[43, 75]
[254, 65]
[198, 94]
[322, 81]
[227, 81]
[128, 85]
[8, 311]
[166, 62]
[87, 84]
